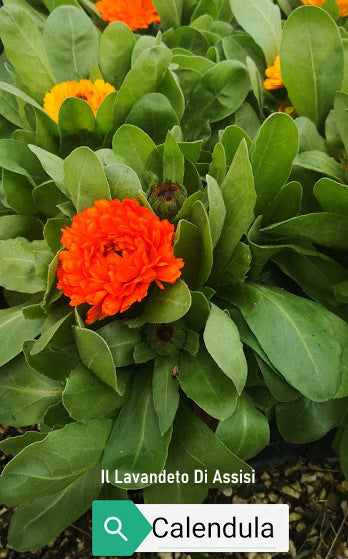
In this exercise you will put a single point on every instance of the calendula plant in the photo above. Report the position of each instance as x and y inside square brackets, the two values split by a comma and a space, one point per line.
[173, 246]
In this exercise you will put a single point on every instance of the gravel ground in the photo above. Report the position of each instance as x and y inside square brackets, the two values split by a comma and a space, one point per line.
[315, 492]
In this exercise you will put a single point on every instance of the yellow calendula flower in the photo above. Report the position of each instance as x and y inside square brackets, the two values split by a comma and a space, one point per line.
[93, 93]
[274, 78]
[342, 5]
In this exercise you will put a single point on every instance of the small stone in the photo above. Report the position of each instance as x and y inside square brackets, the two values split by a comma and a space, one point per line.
[294, 516]
[272, 497]
[310, 489]
[227, 492]
[238, 500]
[292, 549]
[265, 476]
[344, 506]
[293, 469]
[333, 501]
[291, 492]
[308, 478]
[267, 483]
[300, 527]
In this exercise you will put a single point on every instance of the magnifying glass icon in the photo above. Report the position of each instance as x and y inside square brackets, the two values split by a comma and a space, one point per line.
[118, 529]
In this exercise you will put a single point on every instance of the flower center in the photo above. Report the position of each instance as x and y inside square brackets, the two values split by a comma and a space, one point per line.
[111, 247]
[165, 332]
[166, 191]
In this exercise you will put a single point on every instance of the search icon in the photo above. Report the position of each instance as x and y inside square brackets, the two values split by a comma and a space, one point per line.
[118, 529]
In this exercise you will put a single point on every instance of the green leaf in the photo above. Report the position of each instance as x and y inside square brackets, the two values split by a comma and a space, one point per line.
[320, 162]
[344, 451]
[311, 35]
[187, 38]
[96, 355]
[116, 46]
[25, 395]
[134, 146]
[72, 43]
[326, 229]
[19, 193]
[76, 124]
[173, 161]
[239, 196]
[261, 19]
[53, 232]
[25, 50]
[188, 246]
[121, 341]
[12, 226]
[205, 383]
[285, 205]
[219, 93]
[272, 153]
[246, 432]
[167, 305]
[165, 391]
[136, 444]
[170, 12]
[18, 271]
[332, 196]
[55, 363]
[154, 114]
[145, 76]
[84, 178]
[217, 168]
[56, 329]
[86, 397]
[341, 114]
[55, 512]
[14, 445]
[17, 157]
[52, 164]
[123, 182]
[279, 388]
[238, 267]
[54, 463]
[14, 330]
[193, 446]
[200, 218]
[231, 138]
[309, 136]
[217, 209]
[199, 311]
[298, 340]
[222, 340]
[303, 421]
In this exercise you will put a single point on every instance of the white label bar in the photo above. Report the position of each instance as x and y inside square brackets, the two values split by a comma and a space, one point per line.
[216, 528]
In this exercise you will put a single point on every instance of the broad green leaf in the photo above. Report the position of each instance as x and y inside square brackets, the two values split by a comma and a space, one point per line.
[286, 204]
[170, 88]
[18, 271]
[187, 39]
[121, 341]
[13, 445]
[344, 451]
[53, 232]
[116, 46]
[332, 196]
[199, 311]
[25, 394]
[222, 340]
[25, 50]
[143, 43]
[105, 114]
[219, 93]
[55, 512]
[169, 304]
[217, 168]
[52, 164]
[188, 246]
[55, 363]
[326, 229]
[311, 36]
[238, 267]
[303, 421]
[261, 19]
[96, 355]
[76, 124]
[18, 191]
[173, 161]
[9, 108]
[256, 83]
[145, 76]
[136, 444]
[170, 12]
[320, 162]
[272, 153]
[239, 196]
[123, 182]
[217, 209]
[12, 226]
[309, 137]
[84, 178]
[297, 339]
[56, 329]
[246, 432]
[341, 114]
[205, 383]
[154, 114]
[71, 42]
[14, 330]
[230, 138]
[165, 391]
[134, 146]
[17, 157]
[194, 446]
[55, 462]
[279, 388]
[86, 397]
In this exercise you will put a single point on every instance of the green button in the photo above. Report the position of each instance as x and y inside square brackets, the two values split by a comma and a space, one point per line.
[118, 528]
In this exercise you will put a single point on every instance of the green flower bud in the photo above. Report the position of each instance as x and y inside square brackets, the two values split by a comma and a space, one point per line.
[166, 199]
[166, 339]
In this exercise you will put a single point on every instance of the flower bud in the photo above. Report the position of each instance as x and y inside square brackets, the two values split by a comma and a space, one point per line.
[166, 339]
[166, 199]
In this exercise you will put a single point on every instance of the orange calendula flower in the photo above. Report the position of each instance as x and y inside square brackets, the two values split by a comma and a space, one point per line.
[342, 5]
[137, 14]
[115, 251]
[274, 78]
[93, 93]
